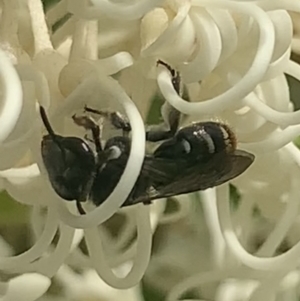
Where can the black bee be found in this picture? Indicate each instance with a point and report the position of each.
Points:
(190, 159)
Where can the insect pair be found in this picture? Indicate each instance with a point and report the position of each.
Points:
(196, 157)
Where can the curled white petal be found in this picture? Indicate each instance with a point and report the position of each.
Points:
(40, 246)
(184, 204)
(246, 84)
(39, 27)
(170, 33)
(209, 202)
(28, 73)
(209, 50)
(286, 260)
(27, 287)
(20, 175)
(56, 12)
(275, 141)
(278, 4)
(140, 262)
(13, 99)
(227, 29)
(49, 264)
(84, 40)
(22, 184)
(284, 223)
(120, 11)
(115, 63)
(128, 12)
(118, 251)
(194, 281)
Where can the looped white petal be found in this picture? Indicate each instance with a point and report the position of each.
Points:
(29, 73)
(49, 265)
(74, 73)
(116, 11)
(277, 67)
(209, 50)
(56, 12)
(22, 184)
(227, 30)
(284, 223)
(40, 246)
(115, 63)
(184, 204)
(16, 145)
(194, 282)
(275, 141)
(283, 27)
(252, 77)
(280, 118)
(39, 27)
(286, 260)
(12, 97)
(20, 175)
(84, 40)
(142, 252)
(265, 291)
(27, 287)
(61, 38)
(124, 11)
(209, 201)
(283, 34)
(118, 251)
(169, 35)
(269, 5)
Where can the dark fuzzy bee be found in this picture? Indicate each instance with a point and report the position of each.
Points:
(196, 157)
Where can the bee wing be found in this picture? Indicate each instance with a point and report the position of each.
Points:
(220, 170)
(160, 170)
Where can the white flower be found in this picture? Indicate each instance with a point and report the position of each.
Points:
(89, 286)
(27, 287)
(232, 57)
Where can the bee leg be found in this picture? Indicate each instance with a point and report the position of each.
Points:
(176, 78)
(172, 120)
(80, 208)
(155, 136)
(88, 139)
(118, 120)
(170, 115)
(89, 124)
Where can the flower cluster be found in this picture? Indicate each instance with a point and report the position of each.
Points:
(220, 244)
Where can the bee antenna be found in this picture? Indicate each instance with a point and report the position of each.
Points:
(46, 121)
(51, 132)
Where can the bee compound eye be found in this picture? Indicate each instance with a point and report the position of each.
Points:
(70, 164)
